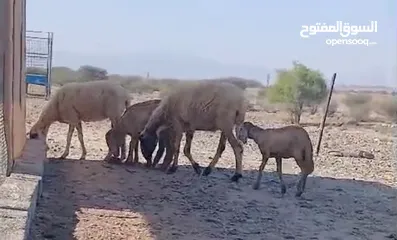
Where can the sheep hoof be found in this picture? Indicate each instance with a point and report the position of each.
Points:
(256, 186)
(207, 171)
(236, 177)
(197, 168)
(82, 158)
(283, 189)
(298, 194)
(172, 169)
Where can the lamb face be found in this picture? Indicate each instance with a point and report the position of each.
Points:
(242, 134)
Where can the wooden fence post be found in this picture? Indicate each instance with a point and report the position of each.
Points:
(325, 114)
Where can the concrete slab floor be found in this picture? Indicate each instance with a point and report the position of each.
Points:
(20, 192)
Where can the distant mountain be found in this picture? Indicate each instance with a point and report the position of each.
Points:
(186, 67)
(360, 88)
(162, 65)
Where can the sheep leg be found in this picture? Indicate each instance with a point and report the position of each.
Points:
(130, 152)
(136, 157)
(257, 183)
(123, 147)
(305, 171)
(188, 154)
(218, 154)
(238, 154)
(68, 140)
(123, 150)
(79, 128)
(280, 175)
(159, 153)
(177, 145)
(300, 187)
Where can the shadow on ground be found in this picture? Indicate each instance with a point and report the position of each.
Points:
(94, 200)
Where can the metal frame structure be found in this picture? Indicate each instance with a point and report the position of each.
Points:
(39, 57)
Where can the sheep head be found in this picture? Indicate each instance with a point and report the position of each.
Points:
(148, 144)
(242, 131)
(37, 131)
(112, 143)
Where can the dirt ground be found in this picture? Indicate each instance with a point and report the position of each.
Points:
(345, 198)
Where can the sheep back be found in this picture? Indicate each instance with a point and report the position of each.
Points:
(136, 116)
(91, 101)
(88, 101)
(207, 106)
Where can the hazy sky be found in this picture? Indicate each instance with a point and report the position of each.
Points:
(250, 33)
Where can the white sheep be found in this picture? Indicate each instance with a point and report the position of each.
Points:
(203, 106)
(77, 102)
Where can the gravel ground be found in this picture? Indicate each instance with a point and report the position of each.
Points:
(345, 198)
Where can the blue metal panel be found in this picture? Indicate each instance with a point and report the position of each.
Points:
(37, 79)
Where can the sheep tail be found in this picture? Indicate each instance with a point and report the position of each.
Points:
(308, 159)
(240, 113)
(240, 117)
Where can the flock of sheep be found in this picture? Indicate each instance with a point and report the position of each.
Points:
(199, 106)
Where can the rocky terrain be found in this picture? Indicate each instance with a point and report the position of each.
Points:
(345, 198)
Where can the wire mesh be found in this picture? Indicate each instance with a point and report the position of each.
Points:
(37, 50)
(39, 59)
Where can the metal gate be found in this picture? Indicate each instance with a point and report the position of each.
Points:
(39, 59)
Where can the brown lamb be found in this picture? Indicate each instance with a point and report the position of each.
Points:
(284, 142)
(132, 123)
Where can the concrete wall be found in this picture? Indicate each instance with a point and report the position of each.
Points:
(12, 70)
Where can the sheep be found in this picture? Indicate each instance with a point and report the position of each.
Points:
(284, 142)
(205, 106)
(165, 142)
(132, 123)
(77, 102)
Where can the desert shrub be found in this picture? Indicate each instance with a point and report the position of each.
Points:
(358, 105)
(136, 84)
(388, 108)
(63, 75)
(240, 82)
(262, 93)
(91, 73)
(298, 87)
(313, 109)
(332, 108)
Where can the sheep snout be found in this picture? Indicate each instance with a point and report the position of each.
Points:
(33, 135)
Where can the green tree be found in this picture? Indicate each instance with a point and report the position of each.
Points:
(297, 87)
